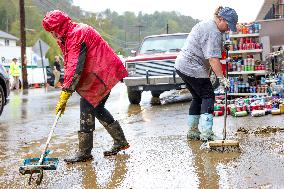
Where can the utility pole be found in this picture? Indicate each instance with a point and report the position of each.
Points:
(7, 23)
(23, 44)
(125, 46)
(167, 27)
(139, 31)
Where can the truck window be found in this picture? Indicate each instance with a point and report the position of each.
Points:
(167, 43)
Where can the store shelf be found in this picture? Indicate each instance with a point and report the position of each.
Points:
(244, 35)
(246, 51)
(261, 72)
(246, 94)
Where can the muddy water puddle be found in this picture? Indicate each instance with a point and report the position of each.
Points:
(159, 157)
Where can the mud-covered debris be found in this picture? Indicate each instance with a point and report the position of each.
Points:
(260, 130)
(266, 130)
(183, 91)
(243, 130)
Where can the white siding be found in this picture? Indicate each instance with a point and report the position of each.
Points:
(12, 43)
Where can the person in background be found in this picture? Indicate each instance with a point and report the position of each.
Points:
(92, 69)
(200, 53)
(15, 73)
(56, 71)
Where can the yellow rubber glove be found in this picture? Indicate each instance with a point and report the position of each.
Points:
(64, 96)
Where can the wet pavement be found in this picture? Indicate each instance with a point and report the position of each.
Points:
(159, 156)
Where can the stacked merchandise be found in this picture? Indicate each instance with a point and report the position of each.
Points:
(272, 84)
(246, 70)
(275, 62)
(259, 84)
(245, 43)
(275, 68)
(238, 63)
(248, 28)
(249, 84)
(254, 106)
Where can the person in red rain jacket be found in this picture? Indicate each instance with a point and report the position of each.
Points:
(92, 69)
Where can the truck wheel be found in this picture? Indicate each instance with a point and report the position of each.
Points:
(134, 97)
(214, 80)
(156, 93)
(2, 99)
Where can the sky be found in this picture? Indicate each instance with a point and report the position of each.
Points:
(197, 9)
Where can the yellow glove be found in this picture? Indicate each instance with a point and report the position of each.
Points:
(64, 96)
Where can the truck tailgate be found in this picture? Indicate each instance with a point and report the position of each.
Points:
(152, 80)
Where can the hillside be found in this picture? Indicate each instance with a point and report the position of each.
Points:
(123, 32)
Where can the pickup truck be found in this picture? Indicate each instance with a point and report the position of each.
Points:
(152, 67)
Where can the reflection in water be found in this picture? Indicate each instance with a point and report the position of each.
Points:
(155, 101)
(207, 165)
(134, 109)
(18, 103)
(89, 176)
(24, 108)
(25, 92)
(3, 146)
(119, 172)
(15, 103)
(90, 173)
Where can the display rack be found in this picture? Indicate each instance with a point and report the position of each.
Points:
(252, 51)
(244, 52)
(260, 72)
(247, 94)
(244, 35)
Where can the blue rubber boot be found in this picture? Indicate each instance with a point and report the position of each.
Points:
(193, 132)
(206, 122)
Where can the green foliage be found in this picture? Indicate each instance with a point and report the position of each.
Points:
(123, 32)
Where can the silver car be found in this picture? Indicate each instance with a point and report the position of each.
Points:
(4, 87)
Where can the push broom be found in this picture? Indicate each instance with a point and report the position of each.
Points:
(37, 165)
(223, 145)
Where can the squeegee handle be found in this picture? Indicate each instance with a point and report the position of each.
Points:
(49, 138)
(226, 97)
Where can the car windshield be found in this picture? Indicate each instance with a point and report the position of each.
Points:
(167, 43)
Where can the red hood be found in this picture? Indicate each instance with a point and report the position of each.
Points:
(56, 21)
(156, 56)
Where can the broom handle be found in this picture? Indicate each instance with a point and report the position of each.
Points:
(225, 116)
(49, 138)
(226, 100)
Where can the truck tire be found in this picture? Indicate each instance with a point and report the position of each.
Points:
(134, 97)
(156, 93)
(214, 80)
(2, 99)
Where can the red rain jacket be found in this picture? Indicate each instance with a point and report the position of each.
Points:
(91, 67)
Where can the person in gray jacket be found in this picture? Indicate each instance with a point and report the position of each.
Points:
(200, 53)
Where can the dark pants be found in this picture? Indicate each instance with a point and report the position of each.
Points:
(202, 92)
(88, 113)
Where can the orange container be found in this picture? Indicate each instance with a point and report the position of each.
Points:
(281, 107)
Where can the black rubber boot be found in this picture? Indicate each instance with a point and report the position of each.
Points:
(85, 148)
(119, 141)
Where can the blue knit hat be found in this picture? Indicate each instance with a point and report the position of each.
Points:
(230, 16)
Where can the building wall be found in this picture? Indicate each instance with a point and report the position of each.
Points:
(274, 29)
(12, 43)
